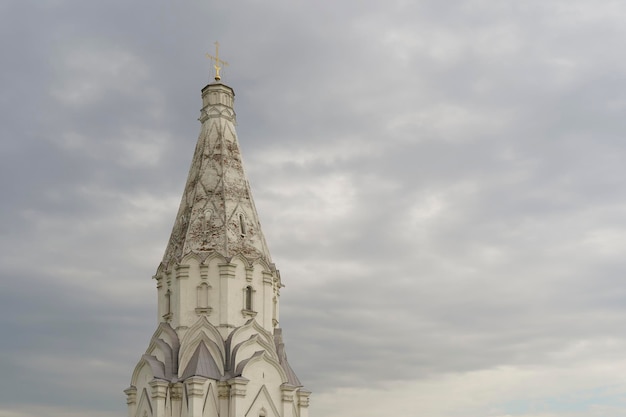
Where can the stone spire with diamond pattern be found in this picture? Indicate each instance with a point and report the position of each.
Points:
(218, 349)
(217, 213)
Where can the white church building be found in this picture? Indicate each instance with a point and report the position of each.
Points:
(217, 349)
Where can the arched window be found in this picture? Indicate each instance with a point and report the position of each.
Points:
(248, 301)
(203, 295)
(202, 299)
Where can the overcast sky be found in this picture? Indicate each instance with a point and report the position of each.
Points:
(441, 183)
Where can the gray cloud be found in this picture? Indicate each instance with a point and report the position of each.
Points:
(440, 185)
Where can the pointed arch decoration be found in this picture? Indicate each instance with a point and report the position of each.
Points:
(203, 325)
(243, 258)
(144, 407)
(188, 257)
(202, 331)
(254, 340)
(262, 398)
(215, 256)
(165, 350)
(265, 266)
(261, 356)
(210, 407)
(165, 340)
(150, 363)
(243, 333)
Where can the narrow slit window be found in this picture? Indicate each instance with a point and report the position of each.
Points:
(242, 225)
(168, 304)
(274, 305)
(249, 298)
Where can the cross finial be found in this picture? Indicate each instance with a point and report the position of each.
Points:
(218, 61)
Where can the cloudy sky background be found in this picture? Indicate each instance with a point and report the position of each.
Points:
(442, 185)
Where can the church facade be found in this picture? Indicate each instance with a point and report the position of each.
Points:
(218, 349)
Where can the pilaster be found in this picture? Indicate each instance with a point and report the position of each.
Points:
(287, 391)
(204, 272)
(195, 395)
(131, 400)
(238, 387)
(268, 292)
(182, 271)
(227, 273)
(223, 395)
(176, 395)
(159, 393)
(173, 302)
(303, 402)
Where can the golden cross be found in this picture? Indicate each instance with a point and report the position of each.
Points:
(218, 61)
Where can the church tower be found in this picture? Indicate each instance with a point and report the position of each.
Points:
(218, 349)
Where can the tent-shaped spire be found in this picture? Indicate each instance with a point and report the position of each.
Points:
(217, 213)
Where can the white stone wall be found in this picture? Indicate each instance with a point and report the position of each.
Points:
(217, 289)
